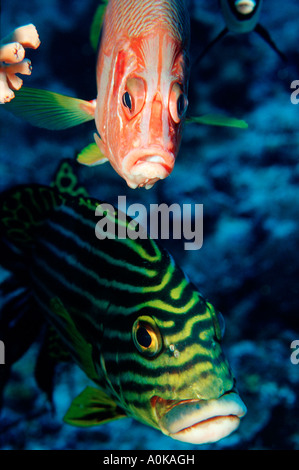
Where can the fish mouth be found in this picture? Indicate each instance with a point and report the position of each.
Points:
(143, 168)
(245, 7)
(199, 421)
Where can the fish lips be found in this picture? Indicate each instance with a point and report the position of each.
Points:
(143, 168)
(200, 421)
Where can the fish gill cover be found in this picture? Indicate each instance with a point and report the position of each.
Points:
(247, 181)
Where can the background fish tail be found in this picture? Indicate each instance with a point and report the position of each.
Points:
(23, 210)
(19, 323)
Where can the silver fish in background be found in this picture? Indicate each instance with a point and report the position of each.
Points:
(242, 16)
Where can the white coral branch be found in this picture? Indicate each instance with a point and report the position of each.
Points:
(12, 53)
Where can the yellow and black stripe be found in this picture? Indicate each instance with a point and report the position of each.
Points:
(124, 309)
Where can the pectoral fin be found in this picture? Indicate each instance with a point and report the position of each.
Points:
(266, 36)
(218, 120)
(91, 155)
(50, 110)
(82, 349)
(92, 408)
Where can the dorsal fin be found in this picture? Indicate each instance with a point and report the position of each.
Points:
(96, 25)
(66, 180)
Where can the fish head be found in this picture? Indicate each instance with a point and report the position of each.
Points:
(174, 375)
(141, 124)
(241, 16)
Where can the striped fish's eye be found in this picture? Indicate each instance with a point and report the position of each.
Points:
(178, 102)
(146, 336)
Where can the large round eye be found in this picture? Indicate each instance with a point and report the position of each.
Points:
(133, 97)
(218, 320)
(146, 336)
(178, 102)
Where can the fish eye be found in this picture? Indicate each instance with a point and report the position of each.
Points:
(133, 98)
(178, 102)
(218, 321)
(146, 336)
(127, 101)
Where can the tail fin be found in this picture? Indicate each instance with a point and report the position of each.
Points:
(20, 323)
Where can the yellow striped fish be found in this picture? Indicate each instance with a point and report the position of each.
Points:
(125, 312)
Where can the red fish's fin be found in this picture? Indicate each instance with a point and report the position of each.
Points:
(96, 25)
(218, 120)
(91, 155)
(50, 110)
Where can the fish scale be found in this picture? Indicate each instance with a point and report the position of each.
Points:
(138, 18)
(125, 312)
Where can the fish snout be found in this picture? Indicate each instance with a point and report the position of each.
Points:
(143, 168)
(245, 7)
(199, 421)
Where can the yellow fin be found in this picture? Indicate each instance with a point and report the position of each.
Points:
(96, 25)
(218, 120)
(92, 408)
(91, 155)
(50, 110)
(70, 333)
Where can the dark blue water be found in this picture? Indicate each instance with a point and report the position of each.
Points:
(247, 181)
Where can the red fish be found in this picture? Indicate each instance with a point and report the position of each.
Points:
(142, 81)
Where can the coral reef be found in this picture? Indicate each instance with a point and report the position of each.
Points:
(13, 61)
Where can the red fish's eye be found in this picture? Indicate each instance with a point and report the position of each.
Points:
(127, 100)
(178, 102)
(133, 98)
